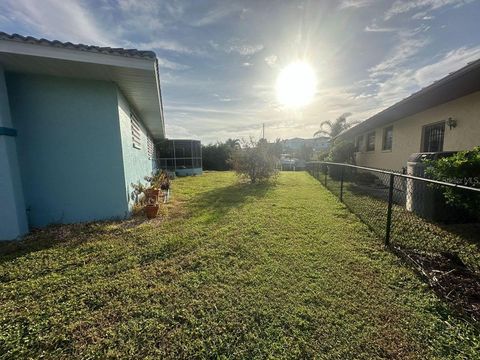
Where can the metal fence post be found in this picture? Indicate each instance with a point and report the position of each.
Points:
(389, 210)
(341, 183)
(326, 172)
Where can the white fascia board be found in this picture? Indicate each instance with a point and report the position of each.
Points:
(160, 100)
(47, 51)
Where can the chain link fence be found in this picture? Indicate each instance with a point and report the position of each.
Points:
(410, 213)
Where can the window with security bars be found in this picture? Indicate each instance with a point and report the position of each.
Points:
(150, 148)
(136, 132)
(359, 143)
(387, 138)
(371, 141)
(433, 136)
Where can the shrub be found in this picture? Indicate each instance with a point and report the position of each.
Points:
(255, 161)
(342, 152)
(463, 168)
(364, 178)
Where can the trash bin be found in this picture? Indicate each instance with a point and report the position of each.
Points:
(422, 198)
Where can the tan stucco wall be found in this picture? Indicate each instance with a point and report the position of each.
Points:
(407, 133)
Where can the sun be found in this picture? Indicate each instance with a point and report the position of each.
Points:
(296, 85)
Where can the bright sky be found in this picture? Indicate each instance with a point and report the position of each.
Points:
(219, 60)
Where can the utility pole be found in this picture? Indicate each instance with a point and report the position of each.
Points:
(263, 130)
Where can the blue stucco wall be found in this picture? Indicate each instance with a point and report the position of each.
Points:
(69, 148)
(136, 161)
(13, 216)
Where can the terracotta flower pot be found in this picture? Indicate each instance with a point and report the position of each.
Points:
(151, 211)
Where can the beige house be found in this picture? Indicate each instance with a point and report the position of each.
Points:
(444, 116)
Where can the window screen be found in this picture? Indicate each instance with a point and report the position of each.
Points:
(359, 143)
(387, 138)
(371, 141)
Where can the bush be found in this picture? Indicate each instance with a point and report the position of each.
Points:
(364, 178)
(463, 168)
(342, 152)
(255, 161)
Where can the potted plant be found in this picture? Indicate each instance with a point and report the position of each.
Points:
(151, 210)
(164, 181)
(151, 193)
(151, 202)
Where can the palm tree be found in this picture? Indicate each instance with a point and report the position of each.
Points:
(233, 143)
(334, 128)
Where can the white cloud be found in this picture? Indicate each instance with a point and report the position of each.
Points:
(271, 60)
(242, 47)
(376, 28)
(167, 64)
(218, 13)
(422, 15)
(452, 61)
(247, 64)
(207, 110)
(169, 45)
(345, 4)
(408, 45)
(403, 6)
(56, 19)
(222, 98)
(179, 132)
(368, 97)
(214, 44)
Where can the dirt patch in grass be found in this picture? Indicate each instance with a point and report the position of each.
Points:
(450, 279)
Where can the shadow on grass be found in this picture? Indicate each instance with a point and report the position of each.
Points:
(216, 203)
(468, 231)
(67, 235)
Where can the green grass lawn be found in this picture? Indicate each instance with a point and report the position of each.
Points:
(408, 230)
(233, 271)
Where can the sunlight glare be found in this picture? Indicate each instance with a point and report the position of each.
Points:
(296, 85)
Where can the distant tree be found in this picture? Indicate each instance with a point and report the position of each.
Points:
(233, 143)
(277, 148)
(304, 153)
(216, 156)
(331, 129)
